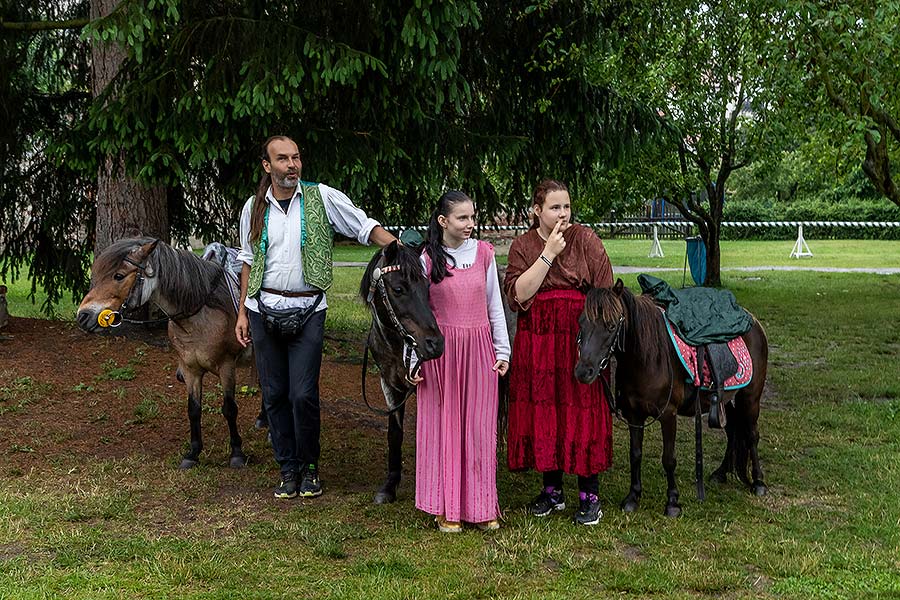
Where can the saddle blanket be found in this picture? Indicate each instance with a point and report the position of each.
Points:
(687, 354)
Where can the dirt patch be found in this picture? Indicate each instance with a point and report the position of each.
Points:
(67, 397)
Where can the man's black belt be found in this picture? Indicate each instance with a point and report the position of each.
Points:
(288, 294)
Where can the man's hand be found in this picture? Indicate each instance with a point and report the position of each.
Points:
(501, 367)
(381, 236)
(242, 329)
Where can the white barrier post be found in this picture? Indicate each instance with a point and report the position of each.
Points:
(656, 249)
(800, 248)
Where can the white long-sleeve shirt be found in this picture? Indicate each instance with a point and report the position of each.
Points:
(284, 264)
(465, 257)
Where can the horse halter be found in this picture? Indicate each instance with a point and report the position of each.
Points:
(114, 318)
(617, 345)
(377, 284)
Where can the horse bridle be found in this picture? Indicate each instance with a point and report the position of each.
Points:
(114, 318)
(618, 344)
(410, 345)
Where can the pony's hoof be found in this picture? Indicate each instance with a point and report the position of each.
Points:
(759, 488)
(385, 497)
(629, 506)
(672, 510)
(188, 463)
(261, 424)
(238, 461)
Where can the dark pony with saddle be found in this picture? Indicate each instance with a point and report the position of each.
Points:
(404, 334)
(199, 300)
(650, 381)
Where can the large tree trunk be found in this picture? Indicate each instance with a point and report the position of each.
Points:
(124, 207)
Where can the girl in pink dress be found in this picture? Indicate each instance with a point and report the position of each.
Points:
(456, 434)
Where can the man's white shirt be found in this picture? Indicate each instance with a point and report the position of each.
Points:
(284, 264)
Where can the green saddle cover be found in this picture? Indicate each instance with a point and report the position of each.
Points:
(701, 315)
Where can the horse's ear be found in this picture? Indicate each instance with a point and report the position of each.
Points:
(146, 250)
(618, 287)
(390, 251)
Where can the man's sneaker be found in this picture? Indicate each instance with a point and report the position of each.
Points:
(287, 489)
(589, 512)
(547, 501)
(309, 483)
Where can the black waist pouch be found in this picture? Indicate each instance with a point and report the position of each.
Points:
(287, 322)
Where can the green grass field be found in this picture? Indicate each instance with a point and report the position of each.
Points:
(830, 527)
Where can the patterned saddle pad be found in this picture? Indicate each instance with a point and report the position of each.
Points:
(688, 356)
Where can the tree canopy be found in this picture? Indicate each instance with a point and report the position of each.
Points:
(709, 72)
(45, 201)
(851, 51)
(390, 101)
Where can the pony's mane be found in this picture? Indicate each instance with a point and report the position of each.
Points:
(182, 277)
(407, 258)
(643, 327)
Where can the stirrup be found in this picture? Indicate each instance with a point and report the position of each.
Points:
(716, 418)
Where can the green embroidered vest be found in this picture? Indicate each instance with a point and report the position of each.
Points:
(316, 238)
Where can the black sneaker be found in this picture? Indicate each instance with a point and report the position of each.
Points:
(287, 489)
(309, 483)
(546, 502)
(589, 512)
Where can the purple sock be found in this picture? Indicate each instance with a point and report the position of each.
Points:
(585, 496)
(552, 491)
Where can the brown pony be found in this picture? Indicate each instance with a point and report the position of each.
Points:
(650, 383)
(199, 303)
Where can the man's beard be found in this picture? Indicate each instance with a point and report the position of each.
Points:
(284, 182)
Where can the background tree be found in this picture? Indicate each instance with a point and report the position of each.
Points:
(390, 101)
(125, 206)
(852, 51)
(45, 202)
(709, 71)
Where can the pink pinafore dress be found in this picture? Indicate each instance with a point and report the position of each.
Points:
(456, 426)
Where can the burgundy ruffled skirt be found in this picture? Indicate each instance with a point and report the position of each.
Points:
(555, 422)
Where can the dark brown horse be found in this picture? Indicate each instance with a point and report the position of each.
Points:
(404, 334)
(650, 380)
(199, 303)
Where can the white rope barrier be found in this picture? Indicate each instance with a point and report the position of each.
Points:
(860, 224)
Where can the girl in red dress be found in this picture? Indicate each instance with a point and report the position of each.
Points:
(556, 424)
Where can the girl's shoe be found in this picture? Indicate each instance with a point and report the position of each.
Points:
(446, 526)
(492, 525)
(547, 501)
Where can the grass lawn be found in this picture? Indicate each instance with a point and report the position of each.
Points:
(738, 253)
(830, 527)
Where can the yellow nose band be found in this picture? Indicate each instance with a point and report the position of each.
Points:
(109, 318)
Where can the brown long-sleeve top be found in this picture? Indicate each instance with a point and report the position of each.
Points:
(582, 265)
